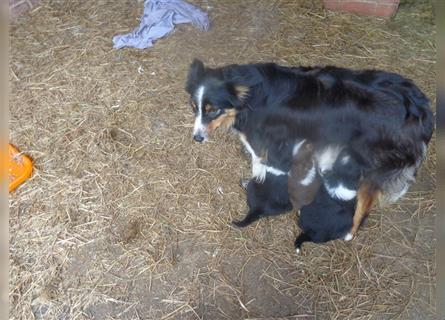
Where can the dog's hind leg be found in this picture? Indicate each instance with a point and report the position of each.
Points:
(367, 196)
(303, 237)
(251, 217)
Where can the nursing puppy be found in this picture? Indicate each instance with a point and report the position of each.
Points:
(267, 198)
(304, 180)
(290, 183)
(330, 215)
(267, 191)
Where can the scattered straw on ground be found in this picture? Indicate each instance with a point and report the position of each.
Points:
(127, 218)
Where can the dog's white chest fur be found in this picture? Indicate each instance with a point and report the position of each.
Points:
(259, 169)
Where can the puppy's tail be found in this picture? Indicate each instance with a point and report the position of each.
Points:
(251, 217)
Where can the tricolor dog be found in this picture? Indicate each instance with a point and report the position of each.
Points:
(383, 118)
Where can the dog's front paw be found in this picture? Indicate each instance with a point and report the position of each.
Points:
(348, 237)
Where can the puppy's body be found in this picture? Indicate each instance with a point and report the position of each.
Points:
(267, 191)
(280, 188)
(266, 198)
(304, 180)
(330, 215)
(325, 219)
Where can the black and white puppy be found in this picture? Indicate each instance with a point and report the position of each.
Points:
(330, 215)
(279, 163)
(267, 191)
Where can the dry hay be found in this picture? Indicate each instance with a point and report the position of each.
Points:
(127, 218)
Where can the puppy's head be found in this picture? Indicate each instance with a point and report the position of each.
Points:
(215, 100)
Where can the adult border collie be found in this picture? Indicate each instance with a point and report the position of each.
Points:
(381, 116)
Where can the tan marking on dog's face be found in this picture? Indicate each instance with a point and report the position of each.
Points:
(225, 120)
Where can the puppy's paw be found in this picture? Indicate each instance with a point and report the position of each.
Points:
(348, 237)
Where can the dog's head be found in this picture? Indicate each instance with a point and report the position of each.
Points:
(215, 100)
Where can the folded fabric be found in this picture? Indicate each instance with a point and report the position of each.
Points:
(158, 20)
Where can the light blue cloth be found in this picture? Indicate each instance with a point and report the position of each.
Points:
(158, 20)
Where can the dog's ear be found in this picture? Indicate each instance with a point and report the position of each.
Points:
(196, 71)
(236, 94)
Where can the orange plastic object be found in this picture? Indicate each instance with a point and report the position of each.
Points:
(20, 168)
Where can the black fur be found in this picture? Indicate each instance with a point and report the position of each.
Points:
(266, 198)
(328, 218)
(325, 219)
(383, 118)
(387, 100)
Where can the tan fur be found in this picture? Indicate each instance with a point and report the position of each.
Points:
(241, 92)
(367, 196)
(226, 120)
(302, 162)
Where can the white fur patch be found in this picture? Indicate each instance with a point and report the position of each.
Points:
(341, 192)
(345, 160)
(275, 171)
(259, 169)
(247, 145)
(297, 147)
(326, 157)
(310, 176)
(199, 128)
(298, 251)
(398, 184)
(348, 237)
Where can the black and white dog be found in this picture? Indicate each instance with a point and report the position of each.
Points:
(330, 215)
(383, 117)
(288, 174)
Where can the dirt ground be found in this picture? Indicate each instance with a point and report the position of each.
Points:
(127, 218)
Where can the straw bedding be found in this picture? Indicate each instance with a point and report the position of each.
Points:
(127, 218)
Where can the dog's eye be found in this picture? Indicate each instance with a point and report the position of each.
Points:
(214, 113)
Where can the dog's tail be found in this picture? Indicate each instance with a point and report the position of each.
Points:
(401, 155)
(394, 180)
(393, 184)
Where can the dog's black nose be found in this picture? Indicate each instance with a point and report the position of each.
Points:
(198, 138)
